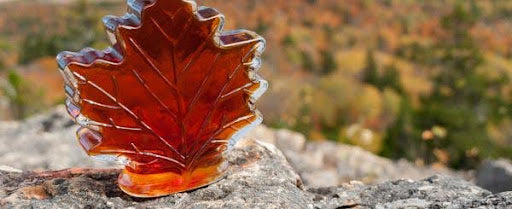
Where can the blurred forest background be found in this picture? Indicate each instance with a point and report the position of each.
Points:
(425, 80)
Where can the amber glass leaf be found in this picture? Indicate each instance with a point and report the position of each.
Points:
(170, 96)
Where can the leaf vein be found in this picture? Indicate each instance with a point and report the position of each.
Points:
(143, 83)
(147, 59)
(132, 114)
(143, 153)
(203, 84)
(210, 112)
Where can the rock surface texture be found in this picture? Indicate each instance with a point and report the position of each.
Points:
(303, 175)
(495, 176)
(259, 176)
(47, 142)
(325, 163)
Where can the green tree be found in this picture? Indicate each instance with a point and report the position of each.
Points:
(308, 64)
(83, 29)
(23, 98)
(391, 78)
(462, 102)
(401, 138)
(36, 45)
(328, 63)
(370, 72)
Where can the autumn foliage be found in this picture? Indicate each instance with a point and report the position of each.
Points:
(318, 58)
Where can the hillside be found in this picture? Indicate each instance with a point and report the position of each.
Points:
(367, 73)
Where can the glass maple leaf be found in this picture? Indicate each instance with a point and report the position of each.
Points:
(169, 97)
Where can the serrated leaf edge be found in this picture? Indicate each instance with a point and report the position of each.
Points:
(89, 56)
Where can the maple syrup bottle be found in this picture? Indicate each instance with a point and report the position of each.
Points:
(169, 98)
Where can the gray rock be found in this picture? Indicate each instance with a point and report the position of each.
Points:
(44, 142)
(290, 140)
(351, 163)
(434, 192)
(327, 163)
(259, 177)
(262, 133)
(47, 142)
(495, 176)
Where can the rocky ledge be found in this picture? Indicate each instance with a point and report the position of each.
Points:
(302, 175)
(259, 177)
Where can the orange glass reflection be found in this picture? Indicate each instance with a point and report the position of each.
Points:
(170, 96)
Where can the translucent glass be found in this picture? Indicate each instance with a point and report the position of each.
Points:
(169, 98)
